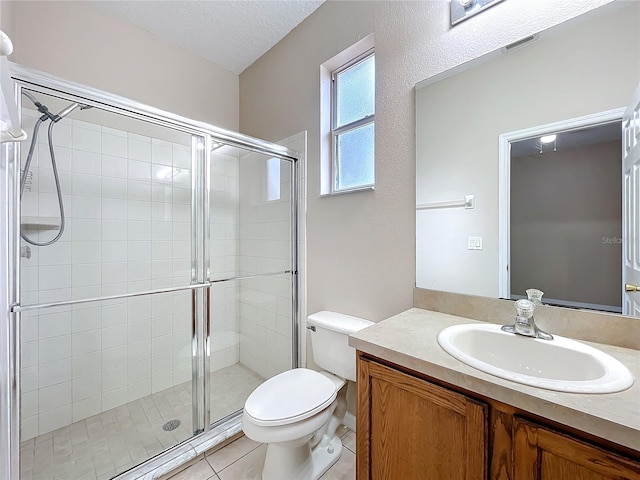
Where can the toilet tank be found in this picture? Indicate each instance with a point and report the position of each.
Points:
(330, 342)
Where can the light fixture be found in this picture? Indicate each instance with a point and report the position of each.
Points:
(463, 9)
(546, 139)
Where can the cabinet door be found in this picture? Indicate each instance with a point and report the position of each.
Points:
(543, 454)
(410, 429)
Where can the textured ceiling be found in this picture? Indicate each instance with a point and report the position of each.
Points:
(230, 33)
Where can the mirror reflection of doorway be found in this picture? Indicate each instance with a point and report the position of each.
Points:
(566, 217)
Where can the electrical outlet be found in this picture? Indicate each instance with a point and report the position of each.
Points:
(474, 243)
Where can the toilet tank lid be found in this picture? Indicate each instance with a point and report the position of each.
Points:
(338, 322)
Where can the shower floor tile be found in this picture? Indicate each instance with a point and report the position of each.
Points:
(109, 443)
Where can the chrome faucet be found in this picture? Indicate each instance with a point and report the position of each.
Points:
(525, 324)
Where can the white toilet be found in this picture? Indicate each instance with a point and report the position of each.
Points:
(296, 413)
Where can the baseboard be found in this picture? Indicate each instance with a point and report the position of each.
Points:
(349, 421)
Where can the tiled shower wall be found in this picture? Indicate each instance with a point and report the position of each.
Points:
(265, 229)
(223, 227)
(127, 202)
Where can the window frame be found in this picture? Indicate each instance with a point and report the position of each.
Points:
(335, 132)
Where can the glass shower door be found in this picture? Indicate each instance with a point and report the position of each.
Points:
(251, 263)
(111, 313)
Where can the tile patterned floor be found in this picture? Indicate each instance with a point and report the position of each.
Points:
(110, 443)
(244, 458)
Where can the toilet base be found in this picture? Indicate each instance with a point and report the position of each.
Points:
(300, 463)
(322, 460)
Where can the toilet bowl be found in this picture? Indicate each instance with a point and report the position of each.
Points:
(297, 412)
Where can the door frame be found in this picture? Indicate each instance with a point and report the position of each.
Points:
(631, 250)
(504, 179)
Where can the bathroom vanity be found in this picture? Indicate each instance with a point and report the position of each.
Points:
(422, 414)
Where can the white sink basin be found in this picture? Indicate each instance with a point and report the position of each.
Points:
(560, 364)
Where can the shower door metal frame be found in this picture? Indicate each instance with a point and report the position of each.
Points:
(201, 282)
(10, 325)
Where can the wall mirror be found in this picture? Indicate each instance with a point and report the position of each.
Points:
(574, 76)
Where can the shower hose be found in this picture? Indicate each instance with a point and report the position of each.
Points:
(34, 140)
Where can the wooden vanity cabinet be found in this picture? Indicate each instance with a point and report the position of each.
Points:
(544, 454)
(410, 428)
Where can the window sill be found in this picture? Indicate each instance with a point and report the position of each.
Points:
(351, 190)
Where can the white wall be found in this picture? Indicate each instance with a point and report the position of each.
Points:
(361, 246)
(581, 70)
(77, 41)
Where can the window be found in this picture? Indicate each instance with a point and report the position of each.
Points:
(352, 124)
(348, 159)
(273, 179)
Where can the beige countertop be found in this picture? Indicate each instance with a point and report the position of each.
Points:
(409, 339)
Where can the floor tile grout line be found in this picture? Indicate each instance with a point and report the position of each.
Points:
(217, 476)
(236, 460)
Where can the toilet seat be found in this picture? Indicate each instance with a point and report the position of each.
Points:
(290, 397)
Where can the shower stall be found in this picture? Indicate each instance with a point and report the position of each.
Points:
(150, 279)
